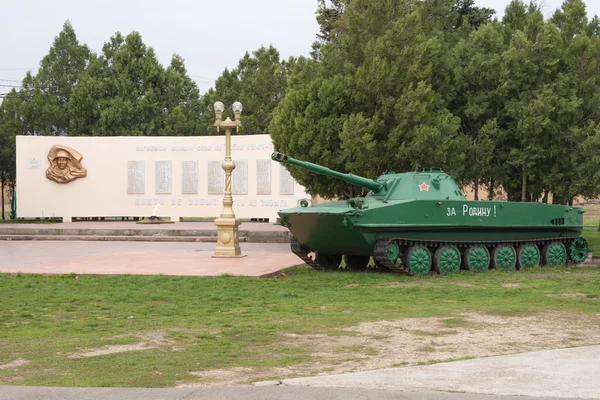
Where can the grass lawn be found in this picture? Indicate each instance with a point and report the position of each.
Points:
(592, 235)
(47, 324)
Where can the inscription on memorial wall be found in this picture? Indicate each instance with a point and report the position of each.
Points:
(189, 177)
(239, 177)
(286, 182)
(216, 178)
(263, 176)
(136, 177)
(162, 177)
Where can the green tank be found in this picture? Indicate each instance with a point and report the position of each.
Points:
(418, 222)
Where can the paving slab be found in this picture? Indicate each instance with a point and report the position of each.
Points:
(564, 373)
(141, 258)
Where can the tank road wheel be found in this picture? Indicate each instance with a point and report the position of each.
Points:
(554, 254)
(528, 256)
(356, 263)
(392, 251)
(578, 251)
(328, 261)
(504, 258)
(446, 260)
(477, 259)
(418, 260)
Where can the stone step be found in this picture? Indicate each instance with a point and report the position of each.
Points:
(178, 235)
(99, 238)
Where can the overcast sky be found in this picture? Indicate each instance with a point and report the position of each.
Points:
(209, 35)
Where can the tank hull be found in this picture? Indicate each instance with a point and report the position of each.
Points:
(339, 229)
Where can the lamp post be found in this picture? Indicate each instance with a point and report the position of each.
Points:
(227, 224)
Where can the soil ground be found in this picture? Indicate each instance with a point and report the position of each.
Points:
(418, 341)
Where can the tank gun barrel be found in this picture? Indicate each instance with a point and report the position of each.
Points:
(370, 184)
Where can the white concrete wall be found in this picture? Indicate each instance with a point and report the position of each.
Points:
(104, 191)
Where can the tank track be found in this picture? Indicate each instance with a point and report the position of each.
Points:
(382, 261)
(381, 258)
(458, 243)
(302, 252)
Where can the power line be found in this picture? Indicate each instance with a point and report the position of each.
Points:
(17, 69)
(202, 77)
(14, 86)
(10, 80)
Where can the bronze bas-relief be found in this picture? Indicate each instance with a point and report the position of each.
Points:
(65, 165)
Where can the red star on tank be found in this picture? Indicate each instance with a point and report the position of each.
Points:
(424, 187)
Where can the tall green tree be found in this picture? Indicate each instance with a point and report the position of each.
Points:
(374, 98)
(125, 91)
(329, 13)
(258, 82)
(51, 88)
(478, 58)
(11, 125)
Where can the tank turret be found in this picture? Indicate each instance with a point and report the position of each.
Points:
(367, 183)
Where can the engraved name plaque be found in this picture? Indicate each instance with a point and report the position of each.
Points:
(162, 177)
(286, 182)
(216, 178)
(263, 176)
(189, 177)
(239, 177)
(136, 177)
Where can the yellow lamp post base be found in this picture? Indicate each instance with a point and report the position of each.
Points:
(227, 238)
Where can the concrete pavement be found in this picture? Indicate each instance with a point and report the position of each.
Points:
(564, 373)
(246, 393)
(141, 258)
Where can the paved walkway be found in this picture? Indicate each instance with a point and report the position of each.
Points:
(565, 373)
(141, 258)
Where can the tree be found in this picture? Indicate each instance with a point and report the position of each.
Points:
(258, 82)
(474, 16)
(328, 14)
(181, 100)
(11, 125)
(476, 79)
(125, 91)
(373, 99)
(51, 88)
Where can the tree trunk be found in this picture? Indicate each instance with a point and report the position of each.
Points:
(2, 192)
(476, 192)
(545, 198)
(13, 205)
(524, 186)
(491, 190)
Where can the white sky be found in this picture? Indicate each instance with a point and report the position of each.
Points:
(209, 35)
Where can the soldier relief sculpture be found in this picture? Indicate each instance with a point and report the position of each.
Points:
(65, 165)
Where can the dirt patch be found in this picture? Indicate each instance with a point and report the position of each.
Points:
(148, 341)
(415, 341)
(511, 285)
(14, 364)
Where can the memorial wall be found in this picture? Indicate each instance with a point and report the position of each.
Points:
(149, 176)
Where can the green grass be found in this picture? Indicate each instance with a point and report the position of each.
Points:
(223, 322)
(592, 235)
